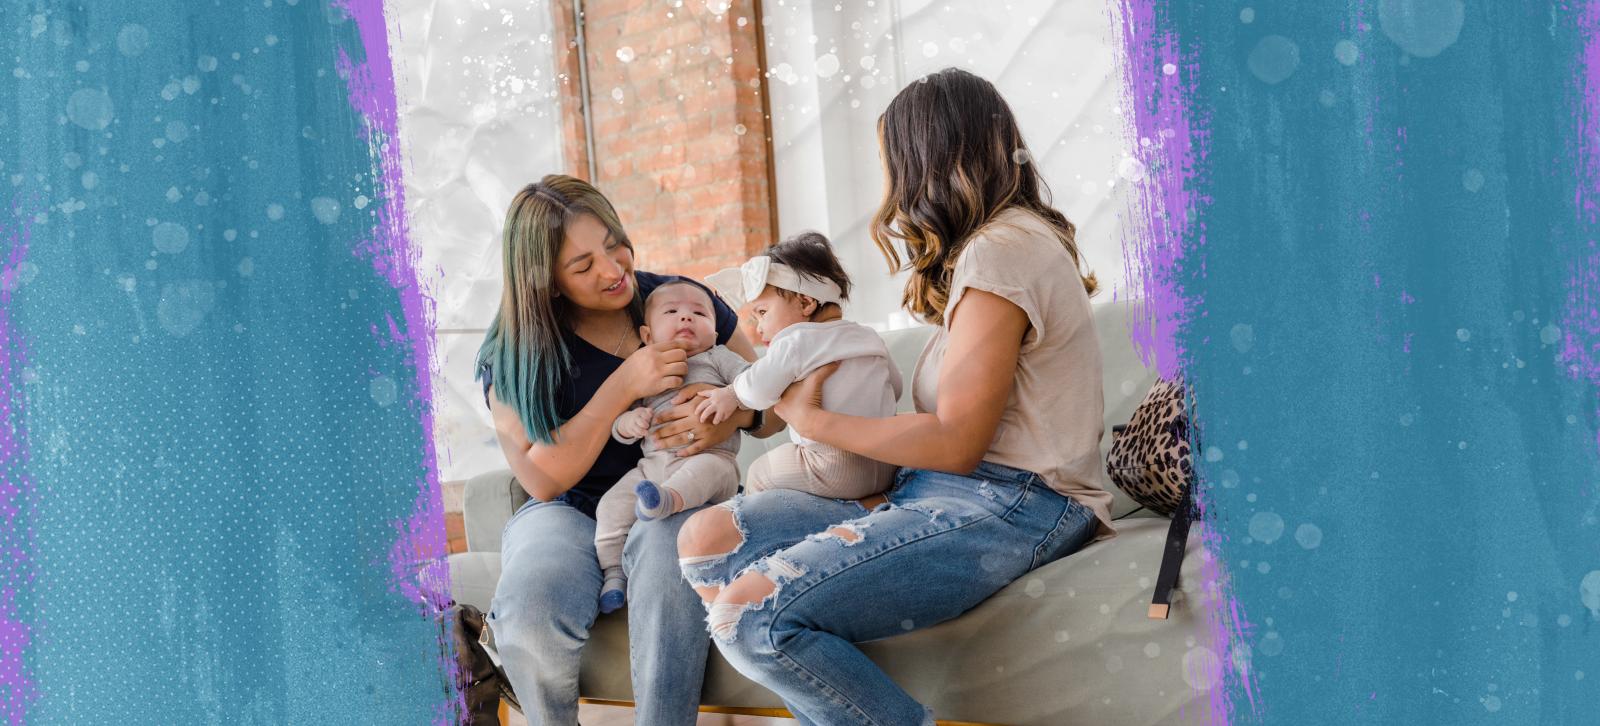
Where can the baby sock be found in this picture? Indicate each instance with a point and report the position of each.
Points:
(655, 501)
(613, 594)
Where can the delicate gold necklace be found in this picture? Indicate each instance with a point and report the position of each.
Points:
(617, 351)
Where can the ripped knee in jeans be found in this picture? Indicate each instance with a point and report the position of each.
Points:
(706, 541)
(753, 589)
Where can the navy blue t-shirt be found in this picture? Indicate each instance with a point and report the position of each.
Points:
(590, 368)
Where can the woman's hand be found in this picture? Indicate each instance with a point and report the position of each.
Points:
(802, 400)
(654, 368)
(680, 427)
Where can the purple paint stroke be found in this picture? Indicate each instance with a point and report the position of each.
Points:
(418, 560)
(1580, 320)
(1170, 141)
(17, 690)
(1167, 145)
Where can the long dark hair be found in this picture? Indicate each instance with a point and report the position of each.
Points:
(954, 158)
(524, 347)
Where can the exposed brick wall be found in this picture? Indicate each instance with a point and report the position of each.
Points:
(681, 137)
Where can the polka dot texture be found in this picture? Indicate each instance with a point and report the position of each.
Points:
(223, 417)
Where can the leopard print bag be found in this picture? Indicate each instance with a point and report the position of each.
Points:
(1149, 458)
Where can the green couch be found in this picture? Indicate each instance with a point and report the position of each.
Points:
(1070, 643)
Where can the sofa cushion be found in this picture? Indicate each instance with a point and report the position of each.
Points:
(473, 576)
(488, 501)
(1067, 643)
(1124, 379)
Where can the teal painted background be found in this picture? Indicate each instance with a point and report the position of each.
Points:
(223, 433)
(1383, 288)
(1399, 458)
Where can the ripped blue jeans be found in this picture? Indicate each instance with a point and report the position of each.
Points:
(942, 544)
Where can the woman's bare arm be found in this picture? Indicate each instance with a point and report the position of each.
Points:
(975, 381)
(741, 345)
(549, 470)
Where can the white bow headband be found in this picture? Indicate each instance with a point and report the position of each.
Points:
(739, 285)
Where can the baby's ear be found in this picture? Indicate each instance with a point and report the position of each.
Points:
(809, 305)
(644, 334)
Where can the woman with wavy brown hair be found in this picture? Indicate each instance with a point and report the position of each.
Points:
(999, 463)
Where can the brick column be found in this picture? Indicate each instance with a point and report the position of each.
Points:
(682, 141)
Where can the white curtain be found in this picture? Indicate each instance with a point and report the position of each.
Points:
(835, 64)
(479, 118)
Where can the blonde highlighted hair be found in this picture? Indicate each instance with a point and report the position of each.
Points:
(954, 159)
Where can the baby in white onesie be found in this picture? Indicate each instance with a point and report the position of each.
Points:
(794, 290)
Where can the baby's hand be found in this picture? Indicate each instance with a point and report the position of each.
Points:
(636, 423)
(719, 404)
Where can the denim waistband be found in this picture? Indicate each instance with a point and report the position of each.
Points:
(991, 470)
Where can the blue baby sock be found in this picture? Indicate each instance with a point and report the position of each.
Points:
(654, 502)
(613, 594)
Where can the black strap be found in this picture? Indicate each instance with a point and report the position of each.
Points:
(1172, 556)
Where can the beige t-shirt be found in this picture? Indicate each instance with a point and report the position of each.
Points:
(1052, 422)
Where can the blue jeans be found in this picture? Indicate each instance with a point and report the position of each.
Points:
(942, 544)
(549, 594)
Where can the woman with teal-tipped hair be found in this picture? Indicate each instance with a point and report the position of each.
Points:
(560, 362)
